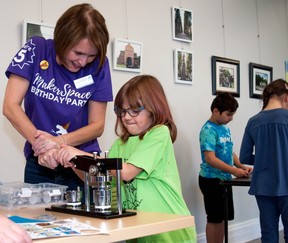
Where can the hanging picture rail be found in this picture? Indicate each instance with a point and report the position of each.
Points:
(182, 24)
(127, 55)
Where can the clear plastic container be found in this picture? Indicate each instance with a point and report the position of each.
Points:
(20, 194)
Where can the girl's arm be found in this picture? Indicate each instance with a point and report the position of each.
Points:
(128, 171)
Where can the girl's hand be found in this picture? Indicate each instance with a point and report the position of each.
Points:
(65, 154)
(47, 159)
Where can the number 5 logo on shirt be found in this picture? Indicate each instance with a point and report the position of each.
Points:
(25, 55)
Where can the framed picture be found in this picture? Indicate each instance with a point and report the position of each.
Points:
(182, 24)
(127, 55)
(36, 29)
(225, 76)
(259, 77)
(183, 66)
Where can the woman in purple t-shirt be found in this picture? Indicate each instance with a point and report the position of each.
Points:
(65, 84)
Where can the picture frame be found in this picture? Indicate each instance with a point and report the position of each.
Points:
(286, 69)
(182, 24)
(127, 55)
(259, 77)
(225, 76)
(32, 28)
(183, 66)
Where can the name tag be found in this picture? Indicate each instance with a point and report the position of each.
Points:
(83, 82)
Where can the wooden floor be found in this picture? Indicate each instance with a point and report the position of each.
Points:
(281, 238)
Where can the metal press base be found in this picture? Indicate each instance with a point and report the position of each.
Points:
(82, 211)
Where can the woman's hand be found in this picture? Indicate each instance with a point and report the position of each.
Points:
(44, 141)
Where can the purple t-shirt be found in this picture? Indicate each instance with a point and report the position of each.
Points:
(56, 100)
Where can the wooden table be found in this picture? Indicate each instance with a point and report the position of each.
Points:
(119, 229)
(233, 182)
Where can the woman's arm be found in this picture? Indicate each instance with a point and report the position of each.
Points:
(15, 91)
(14, 95)
(94, 129)
(247, 149)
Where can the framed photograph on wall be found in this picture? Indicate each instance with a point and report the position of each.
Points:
(31, 28)
(127, 55)
(225, 76)
(183, 66)
(286, 69)
(182, 24)
(259, 77)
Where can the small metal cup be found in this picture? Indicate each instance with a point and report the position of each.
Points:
(74, 196)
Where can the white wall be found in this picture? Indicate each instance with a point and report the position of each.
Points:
(149, 22)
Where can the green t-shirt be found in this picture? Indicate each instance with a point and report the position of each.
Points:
(157, 188)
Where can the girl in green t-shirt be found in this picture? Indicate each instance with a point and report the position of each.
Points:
(146, 133)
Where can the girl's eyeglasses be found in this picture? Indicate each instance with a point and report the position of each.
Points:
(132, 112)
